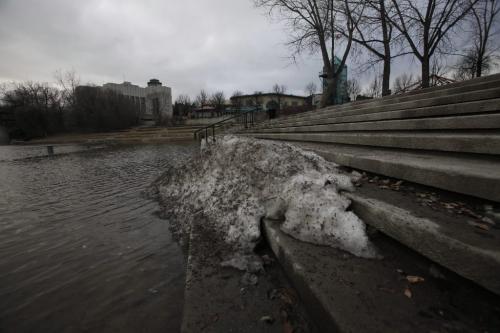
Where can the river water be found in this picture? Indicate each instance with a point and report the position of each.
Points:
(81, 248)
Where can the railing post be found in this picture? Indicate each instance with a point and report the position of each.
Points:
(213, 133)
(206, 134)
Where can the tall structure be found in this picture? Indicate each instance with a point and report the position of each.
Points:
(154, 102)
(340, 95)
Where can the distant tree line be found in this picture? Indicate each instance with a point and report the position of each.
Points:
(183, 105)
(37, 109)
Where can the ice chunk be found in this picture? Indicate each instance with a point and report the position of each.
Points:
(236, 181)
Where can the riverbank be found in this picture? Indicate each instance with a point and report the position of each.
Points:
(138, 135)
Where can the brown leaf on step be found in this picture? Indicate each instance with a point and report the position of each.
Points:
(384, 187)
(481, 226)
(408, 292)
(398, 183)
(414, 279)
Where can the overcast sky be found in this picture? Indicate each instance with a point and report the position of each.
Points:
(188, 44)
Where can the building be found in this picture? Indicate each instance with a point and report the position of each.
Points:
(268, 101)
(154, 102)
(340, 95)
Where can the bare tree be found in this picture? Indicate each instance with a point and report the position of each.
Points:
(279, 91)
(218, 101)
(182, 105)
(67, 82)
(353, 89)
(314, 25)
(36, 107)
(480, 57)
(374, 90)
(237, 93)
(311, 88)
(402, 83)
(202, 98)
(375, 33)
(426, 26)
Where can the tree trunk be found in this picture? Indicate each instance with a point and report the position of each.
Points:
(386, 77)
(479, 66)
(425, 72)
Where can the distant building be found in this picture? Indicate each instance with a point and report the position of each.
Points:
(154, 102)
(340, 95)
(268, 101)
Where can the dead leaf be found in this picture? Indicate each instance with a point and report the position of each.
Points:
(414, 279)
(408, 292)
(481, 226)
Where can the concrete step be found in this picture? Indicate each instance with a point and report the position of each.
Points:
(467, 142)
(475, 175)
(350, 294)
(489, 82)
(492, 81)
(493, 93)
(470, 108)
(443, 237)
(479, 121)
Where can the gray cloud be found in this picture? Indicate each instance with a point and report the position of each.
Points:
(189, 45)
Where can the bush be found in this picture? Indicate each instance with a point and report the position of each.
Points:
(98, 109)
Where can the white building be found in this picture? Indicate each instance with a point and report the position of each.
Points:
(154, 101)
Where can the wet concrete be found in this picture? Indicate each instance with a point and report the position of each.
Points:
(82, 249)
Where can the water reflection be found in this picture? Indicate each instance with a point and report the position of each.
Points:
(81, 248)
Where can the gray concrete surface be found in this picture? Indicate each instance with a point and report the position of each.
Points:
(485, 82)
(472, 175)
(470, 142)
(420, 119)
(350, 294)
(452, 245)
(383, 106)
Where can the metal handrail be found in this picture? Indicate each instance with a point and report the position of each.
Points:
(249, 121)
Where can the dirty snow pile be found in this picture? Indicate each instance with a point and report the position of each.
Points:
(236, 181)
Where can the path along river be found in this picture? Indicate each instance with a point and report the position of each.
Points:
(81, 249)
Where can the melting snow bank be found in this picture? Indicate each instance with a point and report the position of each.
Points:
(236, 181)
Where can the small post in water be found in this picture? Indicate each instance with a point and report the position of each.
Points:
(50, 150)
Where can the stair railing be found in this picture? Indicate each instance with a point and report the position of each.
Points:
(246, 119)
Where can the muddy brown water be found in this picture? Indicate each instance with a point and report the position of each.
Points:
(81, 249)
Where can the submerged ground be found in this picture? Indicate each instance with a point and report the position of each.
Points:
(81, 247)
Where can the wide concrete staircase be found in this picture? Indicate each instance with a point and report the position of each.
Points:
(446, 137)
(444, 144)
